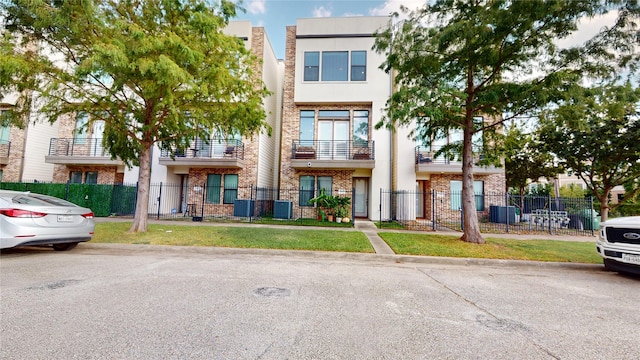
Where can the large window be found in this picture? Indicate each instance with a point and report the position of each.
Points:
(213, 188)
(311, 66)
(80, 132)
(307, 127)
(358, 65)
(456, 194)
(4, 134)
(308, 187)
(91, 177)
(79, 177)
(361, 128)
(335, 66)
(75, 177)
(230, 188)
(216, 182)
(4, 130)
(333, 134)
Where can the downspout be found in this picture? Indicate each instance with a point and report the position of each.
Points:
(391, 142)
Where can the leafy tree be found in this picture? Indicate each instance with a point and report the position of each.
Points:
(524, 161)
(16, 76)
(455, 60)
(595, 134)
(572, 191)
(156, 72)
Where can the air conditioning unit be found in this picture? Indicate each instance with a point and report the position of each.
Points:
(243, 208)
(282, 209)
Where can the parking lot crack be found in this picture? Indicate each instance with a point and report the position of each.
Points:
(490, 320)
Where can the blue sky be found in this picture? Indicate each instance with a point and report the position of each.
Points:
(275, 15)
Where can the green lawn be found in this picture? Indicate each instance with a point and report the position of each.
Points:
(427, 244)
(538, 250)
(239, 237)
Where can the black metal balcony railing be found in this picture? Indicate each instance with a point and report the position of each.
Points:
(427, 155)
(333, 150)
(5, 148)
(77, 147)
(215, 149)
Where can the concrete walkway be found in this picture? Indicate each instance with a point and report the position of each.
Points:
(370, 229)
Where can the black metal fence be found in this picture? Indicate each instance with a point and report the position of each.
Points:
(497, 213)
(194, 202)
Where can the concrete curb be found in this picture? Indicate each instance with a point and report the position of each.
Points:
(128, 249)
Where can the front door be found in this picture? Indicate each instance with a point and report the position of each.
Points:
(361, 197)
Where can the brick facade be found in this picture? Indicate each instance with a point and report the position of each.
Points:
(62, 173)
(12, 171)
(290, 177)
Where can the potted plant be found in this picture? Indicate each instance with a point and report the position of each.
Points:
(323, 202)
(332, 207)
(341, 213)
(342, 205)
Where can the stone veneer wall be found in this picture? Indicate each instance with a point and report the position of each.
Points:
(12, 171)
(106, 174)
(62, 173)
(494, 187)
(290, 121)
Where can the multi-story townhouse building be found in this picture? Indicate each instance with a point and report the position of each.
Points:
(227, 166)
(419, 166)
(334, 94)
(22, 150)
(223, 163)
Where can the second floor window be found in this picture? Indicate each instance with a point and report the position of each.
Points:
(311, 66)
(335, 66)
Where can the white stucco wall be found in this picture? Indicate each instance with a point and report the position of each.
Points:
(38, 135)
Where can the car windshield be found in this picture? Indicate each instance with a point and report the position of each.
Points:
(37, 199)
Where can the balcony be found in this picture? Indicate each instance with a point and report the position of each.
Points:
(427, 162)
(70, 151)
(218, 153)
(332, 154)
(5, 149)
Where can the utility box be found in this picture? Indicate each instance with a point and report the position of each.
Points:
(243, 208)
(282, 209)
(500, 214)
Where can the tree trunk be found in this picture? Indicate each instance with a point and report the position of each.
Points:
(144, 182)
(604, 205)
(471, 227)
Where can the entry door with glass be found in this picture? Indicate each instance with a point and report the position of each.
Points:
(360, 197)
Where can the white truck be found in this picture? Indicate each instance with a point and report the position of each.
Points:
(619, 244)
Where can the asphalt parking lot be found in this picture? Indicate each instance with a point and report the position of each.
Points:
(105, 301)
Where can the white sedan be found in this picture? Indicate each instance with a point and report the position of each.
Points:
(35, 219)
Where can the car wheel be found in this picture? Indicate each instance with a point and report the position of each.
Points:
(64, 246)
(607, 265)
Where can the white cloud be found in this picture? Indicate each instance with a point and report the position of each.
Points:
(321, 12)
(588, 28)
(256, 7)
(391, 6)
